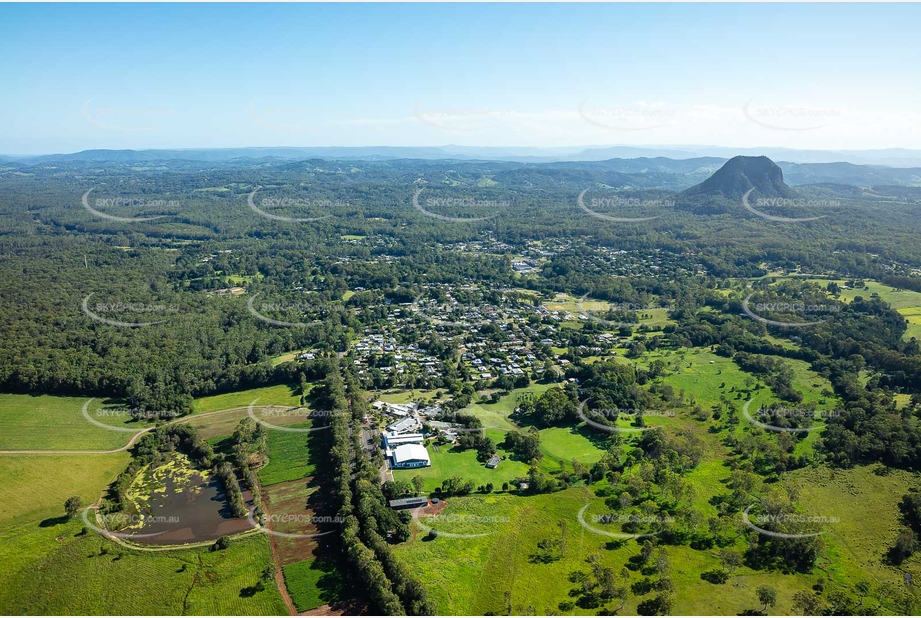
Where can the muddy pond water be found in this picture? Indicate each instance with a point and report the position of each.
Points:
(176, 504)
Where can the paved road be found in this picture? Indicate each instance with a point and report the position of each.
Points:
(372, 446)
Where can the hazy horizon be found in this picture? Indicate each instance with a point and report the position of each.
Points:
(805, 77)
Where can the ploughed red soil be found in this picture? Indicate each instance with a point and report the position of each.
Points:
(299, 508)
(433, 509)
(427, 511)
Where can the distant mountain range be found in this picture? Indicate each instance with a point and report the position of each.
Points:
(678, 168)
(892, 157)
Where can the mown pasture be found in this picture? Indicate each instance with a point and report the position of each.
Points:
(57, 570)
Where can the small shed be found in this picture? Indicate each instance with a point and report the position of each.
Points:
(409, 503)
(493, 462)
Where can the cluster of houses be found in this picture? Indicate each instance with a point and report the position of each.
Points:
(373, 348)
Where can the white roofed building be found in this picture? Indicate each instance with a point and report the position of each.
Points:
(408, 424)
(410, 456)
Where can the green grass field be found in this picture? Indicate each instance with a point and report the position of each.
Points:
(866, 506)
(405, 396)
(55, 570)
(35, 487)
(312, 583)
(280, 394)
(57, 423)
(289, 456)
(481, 575)
(655, 318)
(48, 422)
(447, 462)
(565, 444)
(496, 415)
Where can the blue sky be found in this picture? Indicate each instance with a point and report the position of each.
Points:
(205, 75)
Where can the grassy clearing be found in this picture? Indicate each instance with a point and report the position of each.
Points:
(866, 505)
(289, 456)
(280, 394)
(563, 444)
(55, 570)
(312, 583)
(496, 415)
(223, 423)
(288, 357)
(656, 318)
(700, 374)
(405, 396)
(47, 422)
(447, 461)
(487, 574)
(219, 425)
(35, 487)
